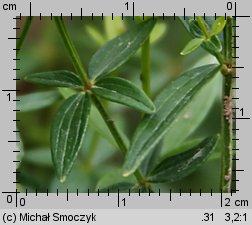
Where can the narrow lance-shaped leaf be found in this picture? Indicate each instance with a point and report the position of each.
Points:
(124, 92)
(192, 46)
(117, 51)
(176, 167)
(169, 103)
(37, 100)
(68, 130)
(61, 78)
(218, 25)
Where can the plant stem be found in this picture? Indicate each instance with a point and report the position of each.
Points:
(80, 69)
(115, 133)
(71, 49)
(227, 117)
(23, 34)
(145, 75)
(203, 26)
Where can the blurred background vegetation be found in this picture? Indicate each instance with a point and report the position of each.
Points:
(43, 50)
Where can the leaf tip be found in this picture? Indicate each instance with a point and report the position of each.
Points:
(62, 179)
(126, 173)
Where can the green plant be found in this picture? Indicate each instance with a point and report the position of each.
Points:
(143, 165)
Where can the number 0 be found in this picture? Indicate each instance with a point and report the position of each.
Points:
(229, 6)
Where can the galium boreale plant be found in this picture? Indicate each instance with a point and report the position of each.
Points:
(96, 83)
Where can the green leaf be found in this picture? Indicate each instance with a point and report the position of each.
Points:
(195, 29)
(218, 25)
(124, 92)
(176, 167)
(114, 181)
(37, 100)
(61, 78)
(192, 45)
(67, 133)
(117, 51)
(169, 103)
(191, 117)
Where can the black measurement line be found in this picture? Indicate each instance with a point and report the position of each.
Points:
(118, 199)
(139, 192)
(238, 67)
(235, 11)
(241, 118)
(235, 149)
(236, 170)
(184, 13)
(241, 16)
(11, 90)
(133, 10)
(221, 197)
(14, 141)
(81, 13)
(129, 191)
(13, 38)
(170, 195)
(67, 194)
(30, 10)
